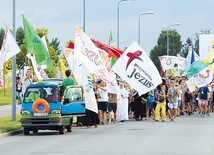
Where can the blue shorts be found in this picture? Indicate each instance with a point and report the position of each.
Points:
(149, 105)
(179, 103)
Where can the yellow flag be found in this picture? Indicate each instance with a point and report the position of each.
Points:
(62, 68)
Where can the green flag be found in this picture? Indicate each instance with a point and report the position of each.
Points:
(112, 43)
(35, 45)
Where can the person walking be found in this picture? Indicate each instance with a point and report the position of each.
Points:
(122, 113)
(19, 90)
(161, 104)
(203, 100)
(102, 101)
(113, 97)
(173, 93)
(150, 104)
(68, 81)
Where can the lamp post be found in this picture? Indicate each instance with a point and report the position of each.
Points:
(146, 13)
(14, 68)
(167, 36)
(118, 5)
(84, 15)
(195, 34)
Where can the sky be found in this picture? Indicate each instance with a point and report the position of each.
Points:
(101, 17)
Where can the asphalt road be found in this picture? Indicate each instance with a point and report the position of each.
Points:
(189, 135)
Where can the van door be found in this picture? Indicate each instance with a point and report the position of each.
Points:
(73, 103)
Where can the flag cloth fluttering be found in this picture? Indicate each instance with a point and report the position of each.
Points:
(35, 45)
(199, 65)
(8, 50)
(62, 68)
(112, 44)
(190, 58)
(136, 68)
(169, 62)
(201, 79)
(38, 70)
(200, 73)
(87, 61)
(86, 51)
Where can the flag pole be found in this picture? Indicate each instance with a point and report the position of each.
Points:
(14, 70)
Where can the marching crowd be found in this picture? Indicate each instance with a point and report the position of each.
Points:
(119, 102)
(171, 98)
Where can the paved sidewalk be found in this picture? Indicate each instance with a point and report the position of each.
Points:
(6, 110)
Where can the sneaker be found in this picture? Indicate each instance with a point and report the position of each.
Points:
(204, 115)
(200, 115)
(181, 113)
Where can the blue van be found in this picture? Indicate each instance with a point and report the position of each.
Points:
(44, 107)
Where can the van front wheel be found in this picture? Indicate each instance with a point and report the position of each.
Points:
(26, 131)
(62, 129)
(69, 128)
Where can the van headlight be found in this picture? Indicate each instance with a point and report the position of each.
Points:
(25, 112)
(56, 111)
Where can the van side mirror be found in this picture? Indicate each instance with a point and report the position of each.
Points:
(66, 101)
(61, 90)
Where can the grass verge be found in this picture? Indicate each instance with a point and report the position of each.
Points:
(6, 96)
(6, 125)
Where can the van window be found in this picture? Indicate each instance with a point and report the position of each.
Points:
(74, 94)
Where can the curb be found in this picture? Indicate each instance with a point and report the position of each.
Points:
(16, 132)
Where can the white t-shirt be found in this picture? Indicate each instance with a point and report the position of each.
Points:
(112, 86)
(179, 96)
(103, 95)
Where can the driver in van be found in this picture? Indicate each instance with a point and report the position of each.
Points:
(54, 95)
(42, 93)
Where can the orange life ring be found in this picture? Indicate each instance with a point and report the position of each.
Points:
(44, 103)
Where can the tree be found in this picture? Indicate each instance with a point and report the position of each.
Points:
(160, 49)
(55, 44)
(194, 43)
(20, 36)
(21, 57)
(184, 49)
(2, 31)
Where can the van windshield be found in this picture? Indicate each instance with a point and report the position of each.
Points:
(50, 94)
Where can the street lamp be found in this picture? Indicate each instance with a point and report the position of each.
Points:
(118, 5)
(14, 67)
(84, 15)
(195, 34)
(146, 13)
(167, 35)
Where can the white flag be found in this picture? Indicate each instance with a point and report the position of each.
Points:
(8, 50)
(169, 62)
(204, 44)
(38, 70)
(81, 73)
(201, 79)
(69, 56)
(136, 68)
(87, 52)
